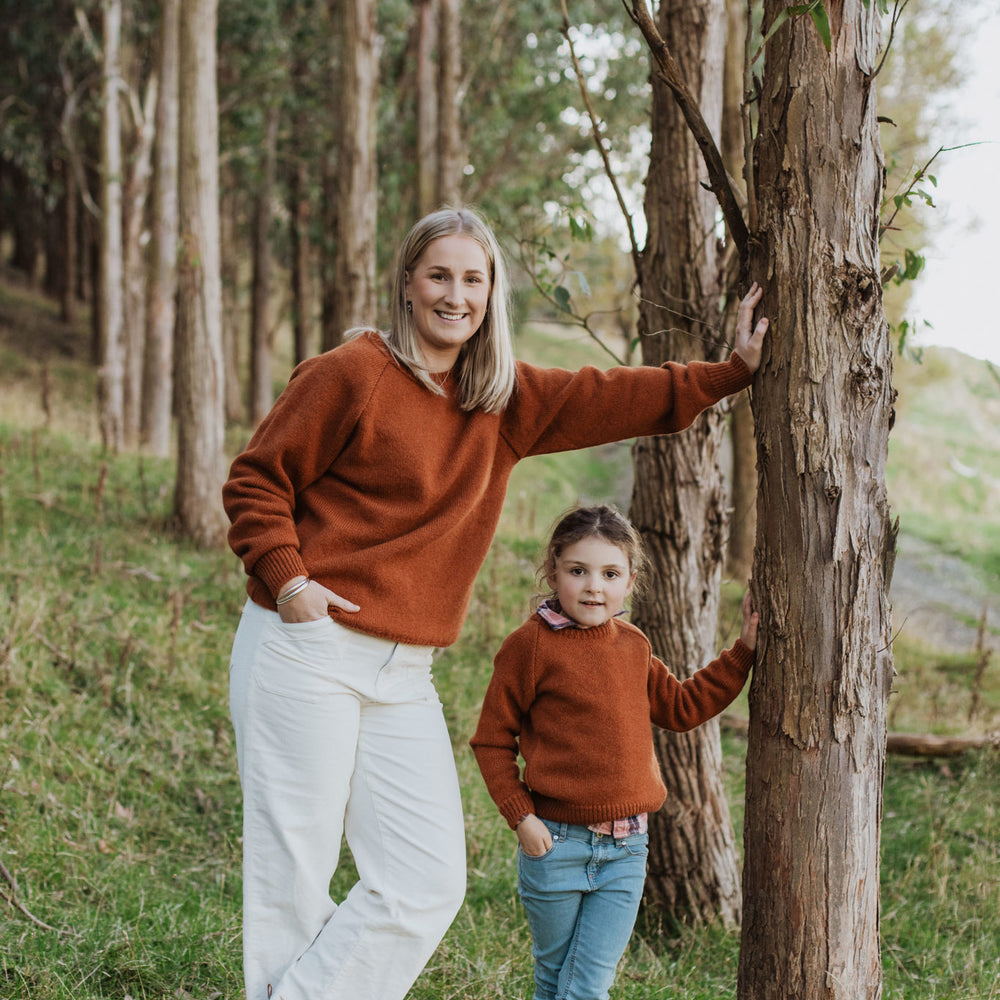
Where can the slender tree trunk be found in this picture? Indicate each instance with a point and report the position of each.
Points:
(261, 395)
(355, 298)
(67, 297)
(743, 481)
(300, 212)
(449, 128)
(427, 173)
(300, 215)
(678, 501)
(135, 260)
(200, 424)
(230, 267)
(331, 333)
(111, 310)
(158, 365)
(822, 402)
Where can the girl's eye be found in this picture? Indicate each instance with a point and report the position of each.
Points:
(577, 571)
(612, 574)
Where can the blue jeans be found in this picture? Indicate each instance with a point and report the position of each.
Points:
(581, 897)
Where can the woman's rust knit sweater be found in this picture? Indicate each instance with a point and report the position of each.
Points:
(389, 495)
(577, 704)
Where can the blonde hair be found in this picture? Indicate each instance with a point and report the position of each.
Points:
(485, 368)
(603, 521)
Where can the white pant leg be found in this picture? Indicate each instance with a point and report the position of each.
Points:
(332, 723)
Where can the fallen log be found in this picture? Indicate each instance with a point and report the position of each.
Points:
(902, 744)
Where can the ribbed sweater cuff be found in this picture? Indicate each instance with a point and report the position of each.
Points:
(736, 378)
(277, 567)
(514, 808)
(744, 657)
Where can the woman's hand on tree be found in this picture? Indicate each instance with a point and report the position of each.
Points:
(750, 343)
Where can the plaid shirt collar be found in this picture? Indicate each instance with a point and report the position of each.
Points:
(551, 611)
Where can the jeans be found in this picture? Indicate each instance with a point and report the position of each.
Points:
(340, 733)
(581, 897)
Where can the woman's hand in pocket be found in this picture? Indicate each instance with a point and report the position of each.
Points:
(311, 603)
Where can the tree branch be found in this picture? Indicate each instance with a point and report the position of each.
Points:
(18, 905)
(669, 72)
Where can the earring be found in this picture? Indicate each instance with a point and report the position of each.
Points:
(409, 307)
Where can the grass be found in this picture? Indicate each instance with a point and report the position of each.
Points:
(119, 798)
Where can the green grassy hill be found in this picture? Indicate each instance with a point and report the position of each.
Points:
(119, 800)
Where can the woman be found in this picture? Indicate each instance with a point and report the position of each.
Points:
(362, 509)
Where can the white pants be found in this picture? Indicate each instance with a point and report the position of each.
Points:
(339, 733)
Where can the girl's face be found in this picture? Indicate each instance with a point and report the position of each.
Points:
(448, 289)
(592, 578)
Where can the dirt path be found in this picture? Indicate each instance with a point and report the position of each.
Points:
(939, 598)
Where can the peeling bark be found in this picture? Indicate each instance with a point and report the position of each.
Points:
(821, 404)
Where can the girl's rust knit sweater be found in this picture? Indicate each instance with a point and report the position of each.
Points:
(389, 495)
(577, 704)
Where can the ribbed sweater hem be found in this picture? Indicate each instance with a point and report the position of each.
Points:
(584, 815)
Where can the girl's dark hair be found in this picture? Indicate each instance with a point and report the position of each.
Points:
(601, 521)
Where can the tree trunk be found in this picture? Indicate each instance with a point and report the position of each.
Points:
(158, 365)
(427, 174)
(67, 296)
(678, 500)
(301, 247)
(111, 310)
(261, 394)
(230, 268)
(821, 403)
(449, 128)
(354, 301)
(137, 193)
(200, 425)
(743, 480)
(743, 490)
(300, 214)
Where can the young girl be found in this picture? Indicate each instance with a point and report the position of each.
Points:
(574, 690)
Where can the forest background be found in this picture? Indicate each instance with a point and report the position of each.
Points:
(119, 804)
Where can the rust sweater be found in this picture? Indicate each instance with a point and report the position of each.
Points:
(577, 704)
(390, 495)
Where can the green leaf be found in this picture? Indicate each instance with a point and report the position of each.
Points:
(822, 22)
(561, 294)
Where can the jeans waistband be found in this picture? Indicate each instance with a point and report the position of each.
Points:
(577, 831)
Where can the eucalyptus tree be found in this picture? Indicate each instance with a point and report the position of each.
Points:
(679, 498)
(111, 289)
(201, 445)
(822, 404)
(158, 360)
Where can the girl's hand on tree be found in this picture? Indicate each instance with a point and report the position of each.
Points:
(748, 633)
(311, 603)
(750, 344)
(533, 836)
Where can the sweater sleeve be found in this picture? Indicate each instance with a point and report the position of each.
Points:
(558, 410)
(292, 447)
(682, 705)
(495, 742)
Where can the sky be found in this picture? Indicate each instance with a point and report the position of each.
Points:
(955, 292)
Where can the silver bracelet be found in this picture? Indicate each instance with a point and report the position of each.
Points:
(294, 592)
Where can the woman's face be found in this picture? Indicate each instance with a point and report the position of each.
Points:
(448, 289)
